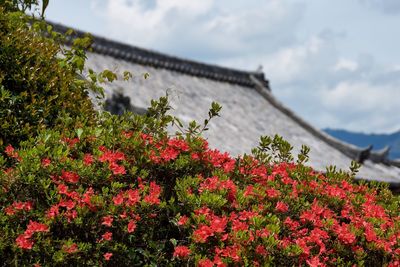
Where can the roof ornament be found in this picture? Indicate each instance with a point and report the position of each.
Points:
(364, 154)
(381, 156)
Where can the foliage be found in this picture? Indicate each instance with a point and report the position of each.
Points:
(40, 82)
(102, 190)
(124, 193)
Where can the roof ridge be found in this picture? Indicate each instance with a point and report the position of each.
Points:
(155, 59)
(354, 152)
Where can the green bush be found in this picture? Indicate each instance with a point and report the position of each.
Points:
(102, 190)
(126, 194)
(39, 82)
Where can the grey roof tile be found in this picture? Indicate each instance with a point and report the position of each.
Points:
(249, 108)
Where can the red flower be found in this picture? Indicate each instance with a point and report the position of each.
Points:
(23, 241)
(344, 234)
(315, 262)
(69, 204)
(181, 252)
(218, 224)
(107, 236)
(69, 177)
(260, 250)
(117, 169)
(202, 233)
(133, 197)
(131, 226)
(154, 194)
(71, 248)
(9, 150)
(9, 210)
(281, 207)
(62, 189)
(46, 162)
(272, 193)
(107, 256)
(88, 159)
(36, 227)
(183, 220)
(107, 220)
(118, 199)
(205, 263)
(169, 154)
(52, 212)
(370, 234)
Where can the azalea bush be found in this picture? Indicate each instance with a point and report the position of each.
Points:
(79, 188)
(125, 193)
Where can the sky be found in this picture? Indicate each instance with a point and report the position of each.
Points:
(335, 63)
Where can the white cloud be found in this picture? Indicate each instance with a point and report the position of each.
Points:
(308, 73)
(346, 65)
(207, 29)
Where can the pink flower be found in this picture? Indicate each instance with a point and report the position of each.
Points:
(181, 252)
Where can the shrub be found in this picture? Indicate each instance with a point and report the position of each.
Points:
(126, 194)
(39, 82)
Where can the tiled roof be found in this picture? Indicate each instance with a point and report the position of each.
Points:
(249, 108)
(157, 60)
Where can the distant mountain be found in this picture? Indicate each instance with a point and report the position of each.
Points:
(363, 140)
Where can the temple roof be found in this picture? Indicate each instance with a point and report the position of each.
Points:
(249, 108)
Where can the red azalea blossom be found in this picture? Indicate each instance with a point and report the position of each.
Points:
(9, 151)
(46, 162)
(23, 241)
(181, 252)
(218, 224)
(36, 227)
(118, 199)
(281, 207)
(202, 233)
(133, 197)
(88, 159)
(107, 220)
(205, 263)
(70, 177)
(70, 248)
(183, 220)
(117, 169)
(154, 194)
(107, 236)
(261, 250)
(52, 212)
(315, 262)
(131, 226)
(107, 256)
